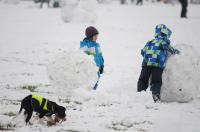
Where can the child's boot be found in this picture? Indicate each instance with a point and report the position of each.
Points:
(156, 97)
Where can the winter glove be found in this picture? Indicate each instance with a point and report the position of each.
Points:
(87, 52)
(176, 52)
(101, 69)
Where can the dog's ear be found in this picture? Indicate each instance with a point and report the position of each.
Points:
(56, 107)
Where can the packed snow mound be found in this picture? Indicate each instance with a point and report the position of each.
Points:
(181, 76)
(10, 123)
(4, 121)
(78, 11)
(11, 1)
(70, 71)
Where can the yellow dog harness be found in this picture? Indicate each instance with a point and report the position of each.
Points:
(43, 102)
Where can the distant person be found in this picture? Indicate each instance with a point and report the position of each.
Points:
(155, 54)
(42, 1)
(139, 2)
(184, 4)
(123, 2)
(56, 4)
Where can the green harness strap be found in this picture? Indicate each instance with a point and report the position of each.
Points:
(43, 102)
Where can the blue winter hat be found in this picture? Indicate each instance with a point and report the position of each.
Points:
(162, 31)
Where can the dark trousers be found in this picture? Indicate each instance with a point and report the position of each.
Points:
(42, 1)
(184, 4)
(153, 74)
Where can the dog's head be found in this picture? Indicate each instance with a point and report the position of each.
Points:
(60, 113)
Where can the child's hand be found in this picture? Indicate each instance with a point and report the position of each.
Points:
(101, 69)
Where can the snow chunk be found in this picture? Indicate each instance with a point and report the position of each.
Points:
(77, 11)
(181, 76)
(7, 123)
(4, 120)
(72, 70)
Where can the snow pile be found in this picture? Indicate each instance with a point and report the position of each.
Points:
(7, 123)
(77, 11)
(4, 121)
(70, 71)
(181, 76)
(11, 1)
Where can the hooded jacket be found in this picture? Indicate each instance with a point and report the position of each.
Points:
(155, 51)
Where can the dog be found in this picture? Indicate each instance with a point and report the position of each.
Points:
(42, 106)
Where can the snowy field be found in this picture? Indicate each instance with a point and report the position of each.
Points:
(30, 38)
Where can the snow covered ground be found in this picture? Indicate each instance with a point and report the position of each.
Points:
(31, 37)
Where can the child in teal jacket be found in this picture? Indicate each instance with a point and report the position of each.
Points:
(91, 47)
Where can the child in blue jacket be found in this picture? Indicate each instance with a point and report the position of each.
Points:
(91, 47)
(155, 55)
